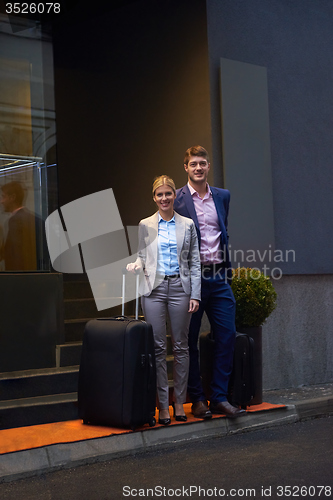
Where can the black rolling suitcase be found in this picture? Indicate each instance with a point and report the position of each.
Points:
(242, 379)
(117, 377)
(206, 351)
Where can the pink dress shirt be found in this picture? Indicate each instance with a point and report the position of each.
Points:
(210, 247)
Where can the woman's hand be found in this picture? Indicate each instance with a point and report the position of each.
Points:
(194, 306)
(133, 267)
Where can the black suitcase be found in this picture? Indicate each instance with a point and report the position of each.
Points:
(242, 379)
(117, 377)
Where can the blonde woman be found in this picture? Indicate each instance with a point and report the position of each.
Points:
(169, 257)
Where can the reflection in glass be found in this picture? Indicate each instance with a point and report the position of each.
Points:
(22, 230)
(28, 178)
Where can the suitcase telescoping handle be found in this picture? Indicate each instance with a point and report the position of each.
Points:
(137, 278)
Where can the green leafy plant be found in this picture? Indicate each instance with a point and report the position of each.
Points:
(255, 296)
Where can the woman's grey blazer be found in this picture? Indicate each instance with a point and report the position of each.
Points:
(187, 252)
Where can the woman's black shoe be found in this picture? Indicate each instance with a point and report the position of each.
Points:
(179, 418)
(164, 421)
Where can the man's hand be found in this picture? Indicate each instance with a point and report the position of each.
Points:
(194, 306)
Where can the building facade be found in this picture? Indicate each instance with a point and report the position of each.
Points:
(113, 97)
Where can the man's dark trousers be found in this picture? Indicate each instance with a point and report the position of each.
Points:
(217, 300)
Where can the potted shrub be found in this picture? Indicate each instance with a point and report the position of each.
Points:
(255, 300)
(255, 297)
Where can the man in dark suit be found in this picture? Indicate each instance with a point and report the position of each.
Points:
(208, 207)
(19, 249)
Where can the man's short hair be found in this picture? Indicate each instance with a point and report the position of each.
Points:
(14, 188)
(195, 151)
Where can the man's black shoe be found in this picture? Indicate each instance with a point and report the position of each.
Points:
(225, 408)
(200, 410)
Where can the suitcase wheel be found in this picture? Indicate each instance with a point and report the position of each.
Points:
(152, 422)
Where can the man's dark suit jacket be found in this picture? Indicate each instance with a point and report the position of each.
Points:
(184, 206)
(20, 244)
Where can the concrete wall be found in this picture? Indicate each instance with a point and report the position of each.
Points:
(298, 336)
(293, 41)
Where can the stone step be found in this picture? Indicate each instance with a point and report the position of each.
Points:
(36, 383)
(74, 329)
(81, 289)
(77, 290)
(68, 354)
(43, 396)
(43, 410)
(169, 367)
(49, 381)
(86, 308)
(38, 410)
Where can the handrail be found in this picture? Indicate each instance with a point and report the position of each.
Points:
(4, 156)
(12, 162)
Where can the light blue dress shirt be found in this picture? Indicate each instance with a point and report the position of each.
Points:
(167, 262)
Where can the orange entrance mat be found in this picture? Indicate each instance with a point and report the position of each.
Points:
(36, 436)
